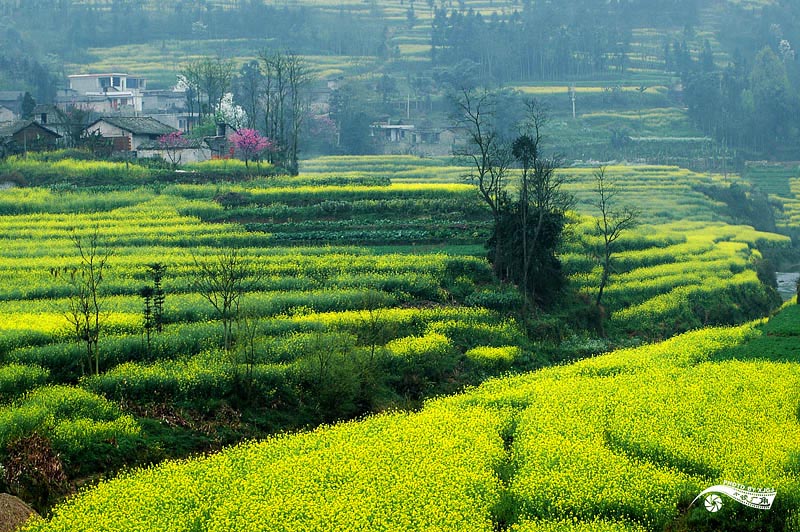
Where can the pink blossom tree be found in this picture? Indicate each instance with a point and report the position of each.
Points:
(173, 143)
(250, 143)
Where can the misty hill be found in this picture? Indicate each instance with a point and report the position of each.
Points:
(662, 81)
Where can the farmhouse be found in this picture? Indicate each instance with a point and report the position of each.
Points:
(6, 114)
(12, 100)
(194, 151)
(29, 135)
(392, 132)
(408, 138)
(107, 93)
(127, 133)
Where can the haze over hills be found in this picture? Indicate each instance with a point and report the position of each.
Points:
(660, 81)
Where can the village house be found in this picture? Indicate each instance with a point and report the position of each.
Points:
(12, 100)
(217, 146)
(106, 93)
(127, 133)
(7, 115)
(409, 139)
(169, 107)
(194, 151)
(28, 135)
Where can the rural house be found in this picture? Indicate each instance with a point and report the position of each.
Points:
(194, 151)
(127, 133)
(106, 93)
(12, 100)
(6, 114)
(29, 135)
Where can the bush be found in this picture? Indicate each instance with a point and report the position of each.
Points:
(16, 379)
(493, 359)
(329, 374)
(417, 363)
(502, 299)
(465, 334)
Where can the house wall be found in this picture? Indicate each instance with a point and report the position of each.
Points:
(33, 138)
(7, 115)
(188, 156)
(92, 83)
(108, 130)
(116, 135)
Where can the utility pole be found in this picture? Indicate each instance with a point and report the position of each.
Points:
(572, 97)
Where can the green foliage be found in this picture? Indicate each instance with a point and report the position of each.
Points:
(341, 330)
(89, 432)
(647, 424)
(16, 379)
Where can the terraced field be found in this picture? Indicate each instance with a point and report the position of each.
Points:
(374, 271)
(620, 442)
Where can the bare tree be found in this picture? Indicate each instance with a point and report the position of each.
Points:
(610, 224)
(488, 156)
(286, 103)
(276, 88)
(250, 91)
(300, 77)
(211, 77)
(223, 280)
(85, 314)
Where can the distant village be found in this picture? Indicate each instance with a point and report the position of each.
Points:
(120, 116)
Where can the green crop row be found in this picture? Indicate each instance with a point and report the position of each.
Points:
(619, 442)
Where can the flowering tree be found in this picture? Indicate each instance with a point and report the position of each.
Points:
(173, 143)
(250, 144)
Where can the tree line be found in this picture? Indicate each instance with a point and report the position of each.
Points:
(548, 40)
(273, 92)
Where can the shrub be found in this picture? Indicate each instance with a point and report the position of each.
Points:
(503, 299)
(417, 362)
(493, 359)
(16, 379)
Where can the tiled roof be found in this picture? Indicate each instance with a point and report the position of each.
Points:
(8, 129)
(8, 96)
(138, 125)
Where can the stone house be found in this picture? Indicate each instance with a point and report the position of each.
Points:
(127, 133)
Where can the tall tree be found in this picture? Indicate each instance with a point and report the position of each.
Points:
(352, 113)
(287, 78)
(211, 78)
(611, 223)
(770, 98)
(487, 157)
(249, 92)
(531, 225)
(27, 106)
(300, 78)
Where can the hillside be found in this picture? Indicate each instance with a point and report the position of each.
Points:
(632, 81)
(365, 288)
(622, 441)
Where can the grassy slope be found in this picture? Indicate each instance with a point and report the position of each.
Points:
(619, 442)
